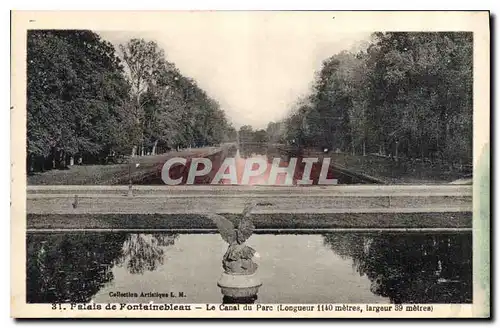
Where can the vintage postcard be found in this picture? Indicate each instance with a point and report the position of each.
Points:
(250, 164)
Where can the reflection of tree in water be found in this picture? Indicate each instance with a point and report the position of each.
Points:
(69, 267)
(144, 252)
(74, 267)
(411, 268)
(248, 151)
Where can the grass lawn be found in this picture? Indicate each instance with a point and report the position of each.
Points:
(115, 174)
(392, 172)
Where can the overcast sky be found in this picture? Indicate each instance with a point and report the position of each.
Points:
(254, 68)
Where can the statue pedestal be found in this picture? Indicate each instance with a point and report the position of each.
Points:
(239, 285)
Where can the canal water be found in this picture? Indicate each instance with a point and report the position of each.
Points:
(267, 155)
(294, 268)
(284, 156)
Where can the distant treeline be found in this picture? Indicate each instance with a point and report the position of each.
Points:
(407, 95)
(86, 102)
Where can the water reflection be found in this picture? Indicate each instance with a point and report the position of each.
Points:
(285, 154)
(415, 269)
(63, 268)
(72, 267)
(331, 268)
(141, 252)
(258, 151)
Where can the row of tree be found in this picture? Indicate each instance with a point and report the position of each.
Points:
(407, 95)
(86, 101)
(273, 134)
(246, 134)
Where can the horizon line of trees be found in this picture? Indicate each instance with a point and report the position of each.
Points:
(85, 102)
(274, 133)
(408, 94)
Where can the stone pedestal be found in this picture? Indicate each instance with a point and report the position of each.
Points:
(239, 285)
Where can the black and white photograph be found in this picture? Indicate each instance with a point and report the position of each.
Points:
(252, 164)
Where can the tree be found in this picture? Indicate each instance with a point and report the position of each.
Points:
(231, 134)
(260, 136)
(276, 131)
(245, 134)
(75, 89)
(427, 84)
(407, 94)
(145, 62)
(169, 107)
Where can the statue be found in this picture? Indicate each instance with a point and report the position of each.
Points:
(239, 280)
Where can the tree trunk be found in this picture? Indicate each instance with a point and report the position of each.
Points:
(30, 163)
(62, 159)
(364, 148)
(53, 159)
(153, 151)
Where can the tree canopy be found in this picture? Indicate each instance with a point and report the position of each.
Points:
(408, 94)
(75, 92)
(87, 100)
